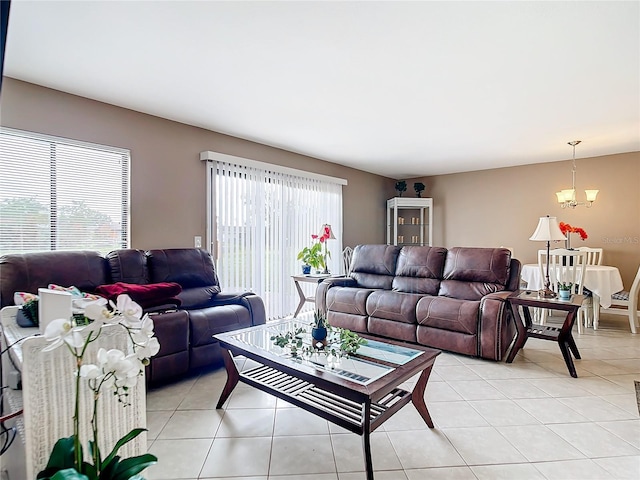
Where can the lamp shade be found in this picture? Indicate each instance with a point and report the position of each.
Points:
(591, 195)
(547, 230)
(326, 228)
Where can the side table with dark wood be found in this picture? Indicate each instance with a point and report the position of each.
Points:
(310, 278)
(525, 329)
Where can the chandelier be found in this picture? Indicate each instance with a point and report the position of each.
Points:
(567, 198)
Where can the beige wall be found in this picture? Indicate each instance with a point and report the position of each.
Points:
(502, 206)
(484, 208)
(167, 178)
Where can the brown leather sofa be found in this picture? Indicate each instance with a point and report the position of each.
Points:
(452, 300)
(184, 325)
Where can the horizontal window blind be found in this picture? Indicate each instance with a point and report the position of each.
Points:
(61, 194)
(261, 219)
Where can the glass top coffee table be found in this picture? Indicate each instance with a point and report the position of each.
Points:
(358, 393)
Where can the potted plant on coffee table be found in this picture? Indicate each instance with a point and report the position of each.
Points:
(319, 327)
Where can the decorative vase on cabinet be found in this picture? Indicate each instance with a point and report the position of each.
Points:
(413, 227)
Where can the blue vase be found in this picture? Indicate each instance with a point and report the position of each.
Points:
(306, 269)
(319, 335)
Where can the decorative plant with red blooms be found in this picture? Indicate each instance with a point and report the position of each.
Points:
(565, 228)
(326, 235)
(312, 256)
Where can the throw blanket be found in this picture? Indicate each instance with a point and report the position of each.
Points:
(147, 296)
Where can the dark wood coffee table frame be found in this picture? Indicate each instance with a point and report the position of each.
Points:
(358, 408)
(526, 329)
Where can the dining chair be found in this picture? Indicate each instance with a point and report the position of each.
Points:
(347, 253)
(565, 266)
(627, 300)
(594, 255)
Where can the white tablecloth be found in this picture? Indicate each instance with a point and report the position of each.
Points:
(602, 280)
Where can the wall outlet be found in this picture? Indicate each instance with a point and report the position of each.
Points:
(197, 241)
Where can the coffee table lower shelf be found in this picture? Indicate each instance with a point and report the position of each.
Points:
(343, 412)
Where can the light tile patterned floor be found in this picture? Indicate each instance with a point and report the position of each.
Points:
(526, 420)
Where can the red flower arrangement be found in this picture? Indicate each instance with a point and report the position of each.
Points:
(565, 228)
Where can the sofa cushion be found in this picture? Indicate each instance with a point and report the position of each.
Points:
(392, 329)
(447, 340)
(374, 266)
(400, 307)
(448, 314)
(29, 271)
(471, 273)
(348, 300)
(128, 265)
(205, 323)
(191, 268)
(350, 321)
(419, 270)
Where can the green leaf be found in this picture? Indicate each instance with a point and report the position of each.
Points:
(62, 458)
(133, 465)
(90, 470)
(108, 469)
(123, 441)
(69, 474)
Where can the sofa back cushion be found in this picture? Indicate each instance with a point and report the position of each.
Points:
(27, 272)
(471, 273)
(374, 266)
(419, 270)
(191, 268)
(128, 266)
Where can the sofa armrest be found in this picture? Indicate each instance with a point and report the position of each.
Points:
(501, 296)
(326, 284)
(249, 300)
(497, 328)
(514, 275)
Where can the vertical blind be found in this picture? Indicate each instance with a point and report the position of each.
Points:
(61, 194)
(260, 220)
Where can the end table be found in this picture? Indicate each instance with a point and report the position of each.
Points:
(307, 278)
(529, 298)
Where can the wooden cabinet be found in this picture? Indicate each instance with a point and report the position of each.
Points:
(409, 221)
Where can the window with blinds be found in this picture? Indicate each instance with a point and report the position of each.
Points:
(61, 194)
(260, 219)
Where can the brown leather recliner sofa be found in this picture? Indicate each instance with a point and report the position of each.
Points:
(452, 300)
(184, 325)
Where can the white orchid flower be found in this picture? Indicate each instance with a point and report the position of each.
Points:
(90, 372)
(124, 369)
(61, 331)
(144, 333)
(129, 310)
(148, 349)
(97, 311)
(126, 376)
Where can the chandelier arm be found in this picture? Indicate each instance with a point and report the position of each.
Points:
(572, 202)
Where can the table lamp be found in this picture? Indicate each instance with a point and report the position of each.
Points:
(546, 231)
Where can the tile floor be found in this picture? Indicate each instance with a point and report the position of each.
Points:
(526, 420)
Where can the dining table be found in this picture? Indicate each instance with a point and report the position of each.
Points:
(601, 280)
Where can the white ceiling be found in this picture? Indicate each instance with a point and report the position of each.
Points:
(401, 89)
